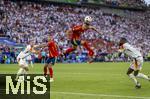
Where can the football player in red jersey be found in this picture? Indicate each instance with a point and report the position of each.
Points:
(76, 32)
(53, 54)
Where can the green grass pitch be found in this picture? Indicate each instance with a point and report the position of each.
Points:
(91, 81)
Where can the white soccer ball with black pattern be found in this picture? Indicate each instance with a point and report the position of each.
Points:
(88, 19)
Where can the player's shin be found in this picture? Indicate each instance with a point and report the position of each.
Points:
(69, 50)
(85, 44)
(19, 73)
(91, 53)
(31, 63)
(51, 72)
(45, 70)
(133, 78)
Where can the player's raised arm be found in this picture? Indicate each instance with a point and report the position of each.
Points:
(87, 21)
(40, 46)
(93, 28)
(36, 47)
(35, 51)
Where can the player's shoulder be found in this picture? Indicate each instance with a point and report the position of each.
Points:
(126, 45)
(28, 46)
(51, 42)
(77, 26)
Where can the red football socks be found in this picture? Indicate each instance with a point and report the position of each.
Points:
(91, 53)
(51, 72)
(69, 50)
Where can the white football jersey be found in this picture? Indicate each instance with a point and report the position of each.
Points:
(26, 52)
(131, 51)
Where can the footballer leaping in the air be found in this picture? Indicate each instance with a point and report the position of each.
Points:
(135, 67)
(21, 59)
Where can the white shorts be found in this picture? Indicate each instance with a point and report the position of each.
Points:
(137, 63)
(29, 58)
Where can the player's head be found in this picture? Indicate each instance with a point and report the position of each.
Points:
(122, 41)
(49, 38)
(88, 20)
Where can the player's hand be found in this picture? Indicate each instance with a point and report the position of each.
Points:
(119, 50)
(35, 51)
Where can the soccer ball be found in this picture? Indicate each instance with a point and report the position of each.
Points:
(88, 19)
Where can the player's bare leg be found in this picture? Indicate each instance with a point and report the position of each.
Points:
(91, 52)
(51, 72)
(45, 70)
(19, 73)
(31, 63)
(22, 72)
(69, 50)
(26, 69)
(143, 76)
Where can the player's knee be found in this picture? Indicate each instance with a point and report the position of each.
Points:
(136, 73)
(26, 68)
(46, 65)
(50, 65)
(128, 73)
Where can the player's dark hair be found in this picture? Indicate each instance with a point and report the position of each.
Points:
(122, 41)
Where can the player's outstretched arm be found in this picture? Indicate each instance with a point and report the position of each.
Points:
(36, 47)
(35, 51)
(40, 46)
(93, 28)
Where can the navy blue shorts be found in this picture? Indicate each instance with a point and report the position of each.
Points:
(51, 60)
(75, 42)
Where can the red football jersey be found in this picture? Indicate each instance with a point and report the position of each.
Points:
(52, 47)
(77, 31)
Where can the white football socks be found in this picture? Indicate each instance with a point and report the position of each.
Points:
(20, 71)
(31, 63)
(133, 78)
(140, 75)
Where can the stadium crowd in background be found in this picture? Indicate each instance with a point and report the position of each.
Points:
(127, 3)
(8, 56)
(119, 3)
(23, 22)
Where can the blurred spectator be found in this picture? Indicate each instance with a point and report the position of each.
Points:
(43, 54)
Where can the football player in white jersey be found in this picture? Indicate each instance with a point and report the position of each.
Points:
(21, 59)
(29, 60)
(136, 65)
